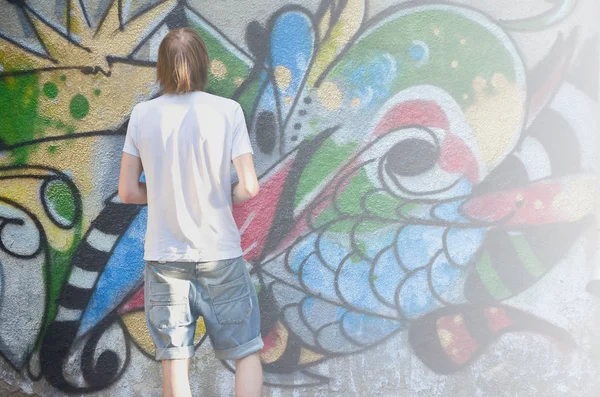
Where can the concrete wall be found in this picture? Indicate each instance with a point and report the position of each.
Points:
(426, 220)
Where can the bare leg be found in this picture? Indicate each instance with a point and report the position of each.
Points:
(176, 380)
(249, 376)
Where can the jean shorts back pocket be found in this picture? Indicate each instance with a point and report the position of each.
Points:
(169, 303)
(231, 301)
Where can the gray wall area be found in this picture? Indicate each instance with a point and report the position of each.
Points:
(426, 222)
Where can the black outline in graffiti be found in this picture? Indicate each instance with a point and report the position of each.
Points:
(59, 138)
(46, 270)
(283, 215)
(61, 334)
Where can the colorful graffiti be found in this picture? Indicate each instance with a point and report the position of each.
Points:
(415, 175)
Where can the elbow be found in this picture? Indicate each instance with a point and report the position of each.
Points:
(125, 196)
(253, 191)
(245, 193)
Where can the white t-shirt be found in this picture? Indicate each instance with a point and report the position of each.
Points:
(186, 144)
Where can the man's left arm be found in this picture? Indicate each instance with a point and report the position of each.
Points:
(131, 190)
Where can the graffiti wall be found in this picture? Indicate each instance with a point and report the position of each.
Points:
(426, 218)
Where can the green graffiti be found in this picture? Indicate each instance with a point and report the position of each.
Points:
(382, 204)
(97, 92)
(362, 247)
(248, 96)
(18, 113)
(227, 70)
(369, 226)
(325, 161)
(79, 107)
(233, 68)
(50, 90)
(454, 60)
(490, 278)
(328, 215)
(350, 199)
(61, 200)
(530, 260)
(344, 226)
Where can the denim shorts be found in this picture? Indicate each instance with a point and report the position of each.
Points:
(177, 293)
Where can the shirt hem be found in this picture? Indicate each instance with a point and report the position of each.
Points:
(239, 153)
(130, 151)
(192, 256)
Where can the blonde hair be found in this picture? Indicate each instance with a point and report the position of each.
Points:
(182, 64)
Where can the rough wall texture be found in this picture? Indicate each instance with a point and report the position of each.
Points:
(426, 220)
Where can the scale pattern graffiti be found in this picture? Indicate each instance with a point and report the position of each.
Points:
(410, 181)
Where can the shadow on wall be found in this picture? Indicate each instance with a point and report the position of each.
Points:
(415, 175)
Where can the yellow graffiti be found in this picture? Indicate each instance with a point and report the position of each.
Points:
(281, 340)
(577, 199)
(309, 356)
(330, 95)
(94, 93)
(283, 77)
(137, 328)
(76, 155)
(496, 117)
(338, 36)
(95, 46)
(25, 186)
(218, 69)
(108, 99)
(238, 81)
(445, 336)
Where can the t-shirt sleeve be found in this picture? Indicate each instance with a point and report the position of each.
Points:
(131, 138)
(241, 139)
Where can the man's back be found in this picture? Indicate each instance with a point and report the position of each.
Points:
(186, 144)
(185, 141)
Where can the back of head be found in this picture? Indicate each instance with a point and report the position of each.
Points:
(182, 62)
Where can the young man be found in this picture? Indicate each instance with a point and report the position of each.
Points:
(185, 142)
